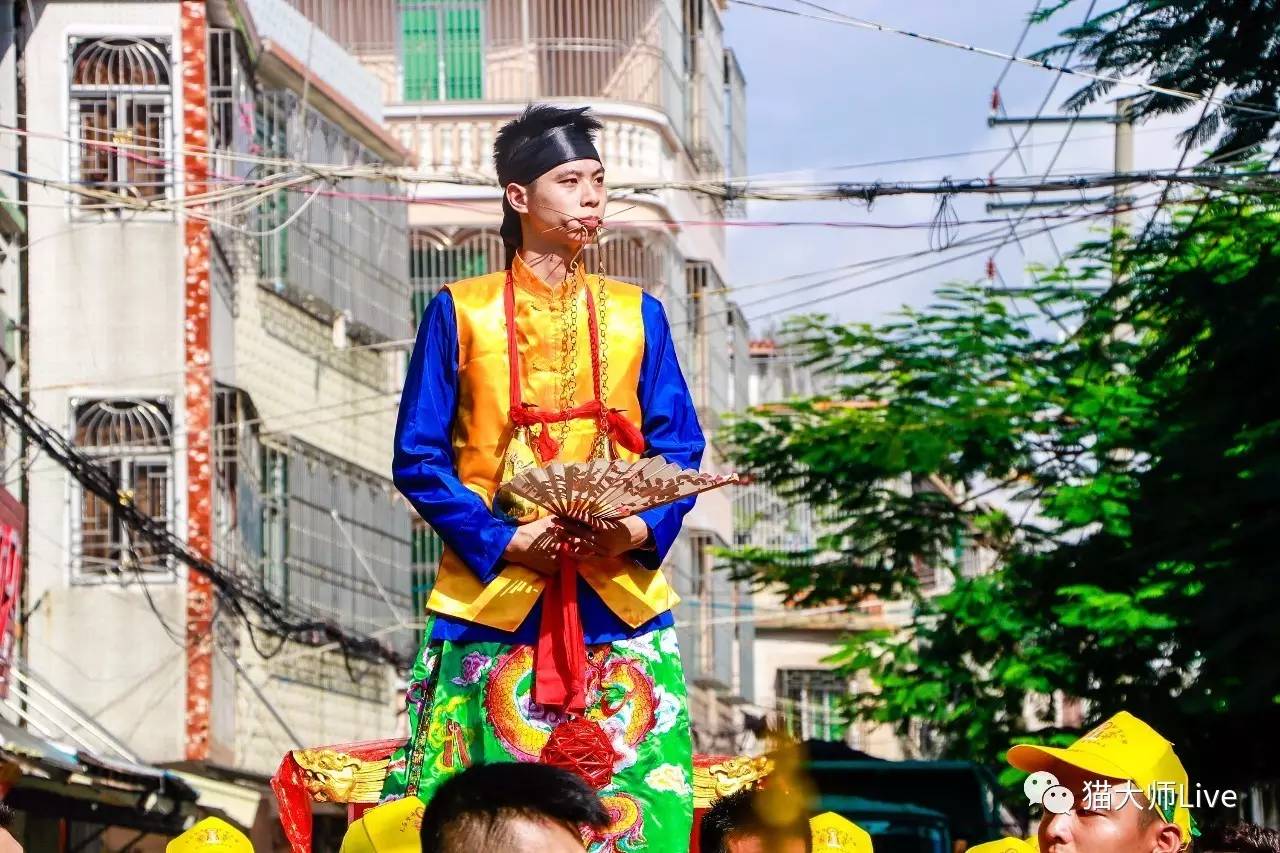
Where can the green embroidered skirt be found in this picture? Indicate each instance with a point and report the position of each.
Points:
(472, 703)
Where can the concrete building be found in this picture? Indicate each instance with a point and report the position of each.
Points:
(13, 226)
(796, 689)
(672, 101)
(233, 360)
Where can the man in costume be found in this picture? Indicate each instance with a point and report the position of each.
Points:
(548, 642)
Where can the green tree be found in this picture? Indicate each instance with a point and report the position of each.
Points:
(1128, 479)
(1222, 48)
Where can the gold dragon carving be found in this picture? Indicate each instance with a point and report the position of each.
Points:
(727, 777)
(336, 777)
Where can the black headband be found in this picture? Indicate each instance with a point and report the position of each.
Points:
(557, 146)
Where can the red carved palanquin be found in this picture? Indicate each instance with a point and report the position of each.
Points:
(352, 773)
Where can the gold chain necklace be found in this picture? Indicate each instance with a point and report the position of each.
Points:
(568, 373)
(602, 447)
(568, 344)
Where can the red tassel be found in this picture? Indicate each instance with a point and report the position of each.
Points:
(546, 446)
(624, 432)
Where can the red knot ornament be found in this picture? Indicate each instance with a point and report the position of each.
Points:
(582, 747)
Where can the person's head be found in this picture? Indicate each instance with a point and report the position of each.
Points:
(1239, 838)
(8, 844)
(513, 807)
(552, 180)
(1100, 791)
(734, 824)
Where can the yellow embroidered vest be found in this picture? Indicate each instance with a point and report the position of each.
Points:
(484, 440)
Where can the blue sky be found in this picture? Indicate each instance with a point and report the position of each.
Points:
(822, 95)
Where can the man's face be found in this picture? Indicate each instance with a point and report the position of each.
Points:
(565, 206)
(1097, 826)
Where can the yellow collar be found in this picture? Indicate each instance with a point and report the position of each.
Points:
(528, 280)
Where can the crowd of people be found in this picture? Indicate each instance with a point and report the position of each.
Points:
(527, 807)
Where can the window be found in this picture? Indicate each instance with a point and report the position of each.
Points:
(435, 260)
(442, 50)
(121, 100)
(336, 540)
(809, 703)
(272, 113)
(133, 440)
(275, 522)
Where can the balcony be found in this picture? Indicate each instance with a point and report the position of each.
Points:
(428, 51)
(453, 138)
(452, 72)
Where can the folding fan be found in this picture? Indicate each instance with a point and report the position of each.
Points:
(602, 490)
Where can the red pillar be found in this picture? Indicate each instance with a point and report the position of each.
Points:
(199, 380)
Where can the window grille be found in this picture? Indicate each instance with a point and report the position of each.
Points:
(133, 440)
(121, 101)
(809, 703)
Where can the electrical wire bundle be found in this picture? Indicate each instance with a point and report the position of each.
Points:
(234, 591)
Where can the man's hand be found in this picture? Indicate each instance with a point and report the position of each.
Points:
(534, 545)
(610, 540)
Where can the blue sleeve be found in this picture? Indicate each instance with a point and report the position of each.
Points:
(423, 466)
(669, 422)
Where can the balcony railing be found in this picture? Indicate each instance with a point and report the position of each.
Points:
(464, 144)
(514, 50)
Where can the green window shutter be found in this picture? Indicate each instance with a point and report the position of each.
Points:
(464, 54)
(419, 42)
(472, 264)
(431, 268)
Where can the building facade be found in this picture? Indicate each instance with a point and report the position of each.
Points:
(796, 689)
(223, 331)
(672, 100)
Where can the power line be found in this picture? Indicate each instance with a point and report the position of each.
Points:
(1015, 222)
(984, 241)
(231, 587)
(888, 279)
(945, 156)
(1251, 181)
(464, 180)
(834, 17)
(1026, 29)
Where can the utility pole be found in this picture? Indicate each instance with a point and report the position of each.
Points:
(1120, 200)
(1123, 163)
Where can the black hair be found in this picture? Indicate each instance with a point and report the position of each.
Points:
(532, 124)
(738, 813)
(478, 803)
(6, 816)
(1239, 838)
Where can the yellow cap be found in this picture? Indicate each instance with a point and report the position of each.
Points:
(208, 836)
(392, 827)
(1126, 748)
(1004, 845)
(833, 833)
